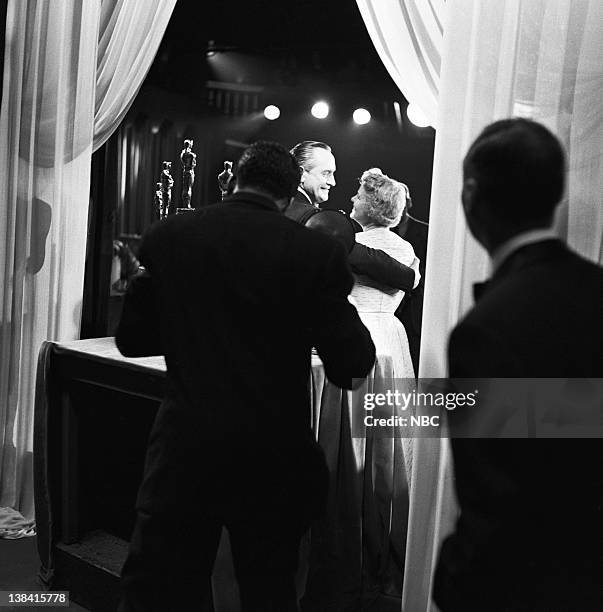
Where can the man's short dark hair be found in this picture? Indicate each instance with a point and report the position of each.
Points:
(268, 166)
(519, 167)
(303, 152)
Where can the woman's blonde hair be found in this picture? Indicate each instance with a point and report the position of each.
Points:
(386, 198)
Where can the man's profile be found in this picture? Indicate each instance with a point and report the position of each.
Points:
(529, 533)
(317, 175)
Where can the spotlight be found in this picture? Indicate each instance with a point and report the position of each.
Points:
(361, 116)
(211, 48)
(398, 113)
(320, 110)
(272, 112)
(416, 116)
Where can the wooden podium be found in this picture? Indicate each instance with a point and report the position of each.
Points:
(93, 414)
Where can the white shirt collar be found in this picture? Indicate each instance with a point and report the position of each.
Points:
(518, 241)
(307, 197)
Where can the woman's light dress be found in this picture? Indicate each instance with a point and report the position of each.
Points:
(358, 550)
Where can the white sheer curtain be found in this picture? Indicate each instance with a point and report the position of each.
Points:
(408, 37)
(535, 58)
(54, 78)
(129, 36)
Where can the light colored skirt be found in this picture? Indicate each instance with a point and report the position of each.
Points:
(357, 552)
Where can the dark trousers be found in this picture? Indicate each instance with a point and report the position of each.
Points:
(169, 566)
(265, 502)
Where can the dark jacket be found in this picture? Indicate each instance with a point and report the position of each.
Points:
(235, 296)
(529, 533)
(374, 263)
(410, 311)
(300, 209)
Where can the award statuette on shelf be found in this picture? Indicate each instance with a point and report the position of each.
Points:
(165, 184)
(189, 161)
(158, 203)
(224, 179)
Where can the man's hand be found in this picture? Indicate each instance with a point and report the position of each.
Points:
(386, 270)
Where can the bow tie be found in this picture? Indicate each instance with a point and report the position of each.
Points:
(479, 289)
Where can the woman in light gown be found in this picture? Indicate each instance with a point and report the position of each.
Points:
(359, 549)
(377, 206)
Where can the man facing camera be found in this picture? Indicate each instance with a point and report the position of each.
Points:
(235, 296)
(317, 176)
(529, 534)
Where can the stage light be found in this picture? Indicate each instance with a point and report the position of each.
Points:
(416, 116)
(361, 116)
(272, 112)
(211, 48)
(398, 113)
(320, 110)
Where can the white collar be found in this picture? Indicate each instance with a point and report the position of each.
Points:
(307, 197)
(520, 240)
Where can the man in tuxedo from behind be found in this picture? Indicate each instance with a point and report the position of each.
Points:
(317, 167)
(529, 533)
(235, 296)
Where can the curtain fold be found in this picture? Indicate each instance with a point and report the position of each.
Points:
(408, 36)
(535, 59)
(47, 126)
(531, 58)
(46, 133)
(130, 30)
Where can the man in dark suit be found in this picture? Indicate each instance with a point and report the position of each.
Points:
(529, 533)
(235, 296)
(410, 311)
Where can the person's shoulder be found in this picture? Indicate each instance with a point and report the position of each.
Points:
(388, 241)
(567, 267)
(313, 248)
(547, 287)
(300, 198)
(584, 265)
(585, 283)
(300, 210)
(401, 241)
(494, 307)
(312, 238)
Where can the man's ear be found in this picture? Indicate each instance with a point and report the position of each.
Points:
(476, 215)
(468, 194)
(302, 172)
